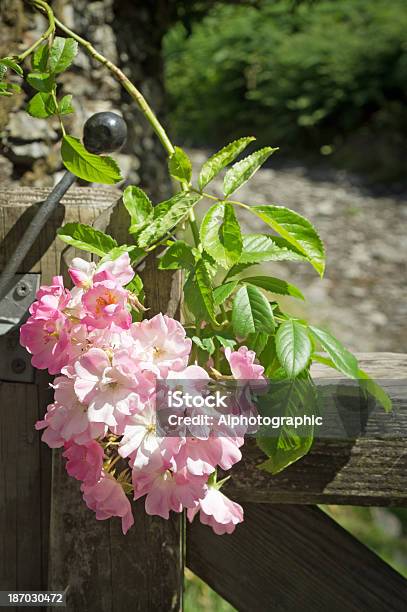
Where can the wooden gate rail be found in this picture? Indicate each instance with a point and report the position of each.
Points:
(285, 556)
(368, 471)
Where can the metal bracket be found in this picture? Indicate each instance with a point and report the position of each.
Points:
(15, 362)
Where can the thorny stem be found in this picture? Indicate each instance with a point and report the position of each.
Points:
(194, 227)
(54, 97)
(50, 30)
(140, 101)
(216, 199)
(126, 83)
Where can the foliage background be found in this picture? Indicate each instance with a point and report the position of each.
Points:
(324, 78)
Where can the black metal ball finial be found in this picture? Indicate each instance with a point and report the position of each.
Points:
(104, 133)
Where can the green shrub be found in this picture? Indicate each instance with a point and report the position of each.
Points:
(319, 76)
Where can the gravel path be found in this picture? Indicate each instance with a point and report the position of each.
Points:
(363, 296)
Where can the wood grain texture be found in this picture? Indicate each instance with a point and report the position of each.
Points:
(369, 470)
(25, 462)
(19, 205)
(285, 558)
(20, 493)
(101, 569)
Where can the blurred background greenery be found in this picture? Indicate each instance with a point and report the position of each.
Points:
(326, 78)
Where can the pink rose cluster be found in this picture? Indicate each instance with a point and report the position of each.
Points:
(104, 409)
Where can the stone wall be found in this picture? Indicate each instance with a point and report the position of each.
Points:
(128, 33)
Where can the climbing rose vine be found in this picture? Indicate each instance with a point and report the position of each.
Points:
(109, 358)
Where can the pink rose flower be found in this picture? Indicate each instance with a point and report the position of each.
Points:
(81, 272)
(166, 339)
(50, 299)
(140, 441)
(242, 364)
(118, 269)
(67, 419)
(217, 511)
(106, 304)
(203, 456)
(112, 387)
(49, 342)
(84, 273)
(108, 499)
(84, 461)
(166, 490)
(52, 333)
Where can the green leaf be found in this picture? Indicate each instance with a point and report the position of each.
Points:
(260, 247)
(221, 293)
(284, 450)
(205, 344)
(39, 60)
(205, 288)
(269, 360)
(86, 238)
(41, 81)
(166, 216)
(222, 158)
(42, 105)
(87, 166)
(220, 234)
(226, 342)
(61, 54)
(251, 312)
(297, 230)
(366, 382)
(209, 262)
(242, 171)
(135, 285)
(8, 62)
(178, 256)
(369, 385)
(343, 359)
(179, 166)
(65, 105)
(138, 206)
(133, 251)
(257, 342)
(136, 254)
(198, 293)
(275, 285)
(293, 347)
(295, 397)
(7, 89)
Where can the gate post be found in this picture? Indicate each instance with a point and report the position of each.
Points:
(101, 569)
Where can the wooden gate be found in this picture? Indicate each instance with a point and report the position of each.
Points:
(288, 554)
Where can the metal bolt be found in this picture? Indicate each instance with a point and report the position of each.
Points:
(22, 289)
(18, 365)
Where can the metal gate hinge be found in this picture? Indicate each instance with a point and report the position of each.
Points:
(15, 362)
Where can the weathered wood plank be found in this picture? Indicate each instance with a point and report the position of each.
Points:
(368, 471)
(286, 558)
(104, 570)
(20, 492)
